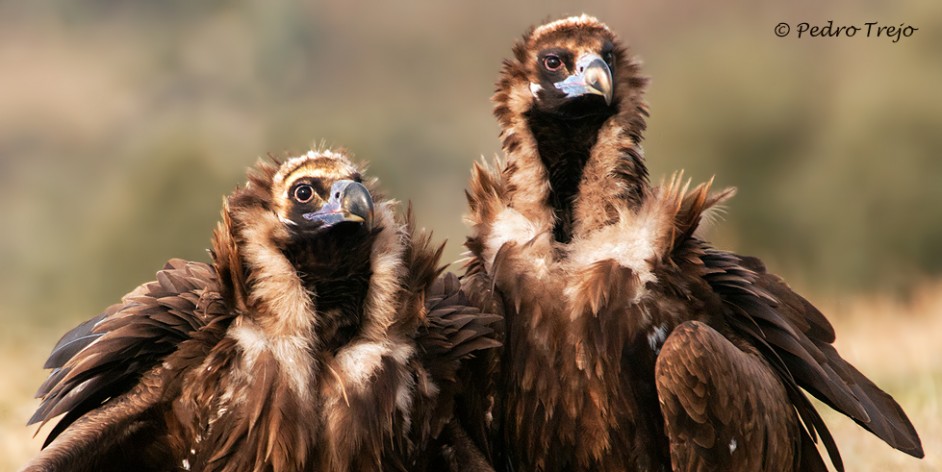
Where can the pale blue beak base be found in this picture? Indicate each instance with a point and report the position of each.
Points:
(599, 81)
(349, 201)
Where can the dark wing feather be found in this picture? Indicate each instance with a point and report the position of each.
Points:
(479, 402)
(106, 356)
(456, 335)
(75, 340)
(123, 434)
(887, 420)
(724, 408)
(799, 312)
(455, 329)
(796, 340)
(461, 453)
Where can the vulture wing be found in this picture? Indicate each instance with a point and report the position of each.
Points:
(455, 328)
(454, 334)
(794, 341)
(107, 375)
(125, 433)
(868, 405)
(771, 347)
(479, 405)
(724, 407)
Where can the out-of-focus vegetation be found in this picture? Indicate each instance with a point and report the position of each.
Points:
(897, 345)
(123, 123)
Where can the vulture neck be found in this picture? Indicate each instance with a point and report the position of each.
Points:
(564, 146)
(336, 271)
(593, 164)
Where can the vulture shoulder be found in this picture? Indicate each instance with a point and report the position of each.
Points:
(109, 373)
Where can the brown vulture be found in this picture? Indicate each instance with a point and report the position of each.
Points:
(321, 337)
(629, 343)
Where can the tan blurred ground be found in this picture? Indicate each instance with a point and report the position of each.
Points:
(123, 123)
(896, 345)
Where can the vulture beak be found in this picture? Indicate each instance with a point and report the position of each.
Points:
(592, 76)
(349, 201)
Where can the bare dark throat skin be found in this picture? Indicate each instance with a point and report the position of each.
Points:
(336, 268)
(564, 141)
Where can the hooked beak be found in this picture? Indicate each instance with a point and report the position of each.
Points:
(592, 76)
(349, 201)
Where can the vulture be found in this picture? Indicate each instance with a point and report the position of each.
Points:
(323, 336)
(629, 342)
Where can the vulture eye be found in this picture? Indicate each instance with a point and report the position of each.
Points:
(552, 62)
(303, 193)
(609, 58)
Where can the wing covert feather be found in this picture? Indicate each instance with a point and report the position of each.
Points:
(106, 356)
(724, 408)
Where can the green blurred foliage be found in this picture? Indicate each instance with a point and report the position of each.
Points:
(122, 124)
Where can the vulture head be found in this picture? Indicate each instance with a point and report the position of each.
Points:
(570, 102)
(313, 221)
(314, 193)
(572, 68)
(570, 72)
(308, 202)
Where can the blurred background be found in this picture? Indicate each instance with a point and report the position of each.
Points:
(123, 123)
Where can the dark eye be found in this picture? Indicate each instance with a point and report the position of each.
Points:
(552, 62)
(303, 193)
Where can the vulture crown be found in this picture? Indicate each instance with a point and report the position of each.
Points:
(629, 343)
(321, 337)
